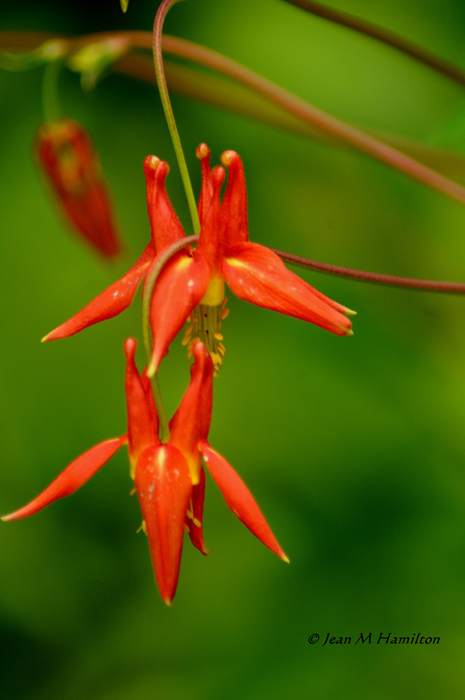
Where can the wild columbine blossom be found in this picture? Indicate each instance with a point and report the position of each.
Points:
(68, 159)
(169, 477)
(191, 285)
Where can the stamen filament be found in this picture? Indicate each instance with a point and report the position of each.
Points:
(205, 325)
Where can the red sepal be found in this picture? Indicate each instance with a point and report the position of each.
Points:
(239, 499)
(257, 275)
(72, 478)
(115, 299)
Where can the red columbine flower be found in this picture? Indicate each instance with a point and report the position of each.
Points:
(169, 477)
(72, 167)
(196, 278)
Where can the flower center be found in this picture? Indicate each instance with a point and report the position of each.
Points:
(205, 325)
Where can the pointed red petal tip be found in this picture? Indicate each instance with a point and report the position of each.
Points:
(72, 478)
(254, 273)
(239, 499)
(111, 302)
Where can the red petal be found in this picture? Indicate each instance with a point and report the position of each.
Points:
(115, 299)
(194, 516)
(257, 275)
(142, 428)
(234, 207)
(71, 478)
(178, 290)
(166, 227)
(164, 488)
(239, 499)
(191, 422)
(206, 193)
(210, 241)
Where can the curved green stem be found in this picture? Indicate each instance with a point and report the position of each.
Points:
(165, 99)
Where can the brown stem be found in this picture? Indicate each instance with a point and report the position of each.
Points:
(317, 117)
(449, 70)
(372, 277)
(292, 104)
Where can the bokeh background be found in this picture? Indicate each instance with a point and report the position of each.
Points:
(353, 447)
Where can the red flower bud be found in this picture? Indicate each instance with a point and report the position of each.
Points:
(67, 158)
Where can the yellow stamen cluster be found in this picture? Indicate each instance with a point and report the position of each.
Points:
(205, 325)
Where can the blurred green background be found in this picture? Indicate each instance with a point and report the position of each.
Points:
(353, 447)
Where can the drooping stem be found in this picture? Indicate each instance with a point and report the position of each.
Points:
(298, 108)
(385, 36)
(373, 277)
(165, 99)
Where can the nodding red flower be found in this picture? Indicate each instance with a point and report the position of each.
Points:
(72, 167)
(169, 477)
(196, 278)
